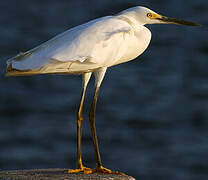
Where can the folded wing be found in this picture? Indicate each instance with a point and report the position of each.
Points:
(95, 42)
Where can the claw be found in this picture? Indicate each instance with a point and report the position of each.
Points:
(84, 170)
(101, 169)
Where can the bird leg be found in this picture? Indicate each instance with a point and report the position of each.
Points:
(99, 75)
(99, 167)
(79, 130)
(93, 129)
(80, 167)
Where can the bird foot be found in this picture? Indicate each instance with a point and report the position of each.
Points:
(101, 169)
(84, 170)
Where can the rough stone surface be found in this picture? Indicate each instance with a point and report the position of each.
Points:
(57, 174)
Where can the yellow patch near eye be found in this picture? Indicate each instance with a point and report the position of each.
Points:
(153, 16)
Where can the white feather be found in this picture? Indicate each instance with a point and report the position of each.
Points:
(81, 43)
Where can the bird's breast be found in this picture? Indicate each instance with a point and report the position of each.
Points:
(136, 44)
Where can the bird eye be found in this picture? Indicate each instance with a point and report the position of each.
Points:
(149, 15)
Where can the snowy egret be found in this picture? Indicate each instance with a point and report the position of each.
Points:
(92, 48)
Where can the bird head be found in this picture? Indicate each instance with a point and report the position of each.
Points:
(144, 16)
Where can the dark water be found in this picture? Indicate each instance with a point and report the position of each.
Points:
(152, 117)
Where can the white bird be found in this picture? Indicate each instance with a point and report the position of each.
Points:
(92, 48)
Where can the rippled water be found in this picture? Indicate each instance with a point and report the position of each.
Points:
(152, 116)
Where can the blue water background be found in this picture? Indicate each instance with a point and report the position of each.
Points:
(152, 114)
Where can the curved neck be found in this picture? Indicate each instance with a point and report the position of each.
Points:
(130, 18)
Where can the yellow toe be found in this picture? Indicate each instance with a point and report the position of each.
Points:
(83, 170)
(101, 169)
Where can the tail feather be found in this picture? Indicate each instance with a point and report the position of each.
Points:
(21, 58)
(43, 70)
(15, 72)
(10, 71)
(18, 66)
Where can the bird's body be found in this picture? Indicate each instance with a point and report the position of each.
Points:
(102, 42)
(92, 48)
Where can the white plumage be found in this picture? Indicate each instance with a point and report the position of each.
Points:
(92, 48)
(102, 42)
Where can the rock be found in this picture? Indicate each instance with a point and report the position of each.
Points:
(57, 174)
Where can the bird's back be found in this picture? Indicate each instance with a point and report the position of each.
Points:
(80, 44)
(101, 42)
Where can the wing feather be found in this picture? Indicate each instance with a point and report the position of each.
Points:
(94, 41)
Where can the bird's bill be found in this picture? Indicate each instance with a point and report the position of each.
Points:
(168, 20)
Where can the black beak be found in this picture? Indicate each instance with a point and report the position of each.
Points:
(177, 21)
